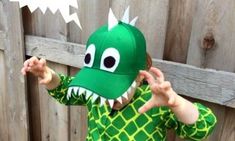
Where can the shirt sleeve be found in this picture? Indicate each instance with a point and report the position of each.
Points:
(60, 93)
(197, 131)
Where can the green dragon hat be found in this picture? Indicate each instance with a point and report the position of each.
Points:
(114, 55)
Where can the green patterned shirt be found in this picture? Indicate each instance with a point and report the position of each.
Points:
(105, 124)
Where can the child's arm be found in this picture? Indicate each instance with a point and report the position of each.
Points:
(39, 68)
(57, 85)
(164, 95)
(191, 121)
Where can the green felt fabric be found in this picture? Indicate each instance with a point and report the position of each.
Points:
(127, 124)
(130, 44)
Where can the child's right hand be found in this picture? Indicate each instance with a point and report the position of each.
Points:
(38, 68)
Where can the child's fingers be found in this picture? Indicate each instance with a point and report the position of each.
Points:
(171, 100)
(33, 61)
(148, 77)
(26, 67)
(23, 71)
(165, 86)
(26, 63)
(42, 62)
(158, 73)
(37, 66)
(45, 80)
(147, 106)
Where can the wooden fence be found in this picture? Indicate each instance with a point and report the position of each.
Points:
(191, 41)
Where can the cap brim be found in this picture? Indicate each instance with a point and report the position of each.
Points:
(106, 84)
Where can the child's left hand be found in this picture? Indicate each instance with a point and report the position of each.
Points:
(162, 92)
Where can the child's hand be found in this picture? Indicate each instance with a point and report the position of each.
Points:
(38, 68)
(162, 92)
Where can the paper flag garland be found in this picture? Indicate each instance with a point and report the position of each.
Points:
(53, 5)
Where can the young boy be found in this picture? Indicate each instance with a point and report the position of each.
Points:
(110, 85)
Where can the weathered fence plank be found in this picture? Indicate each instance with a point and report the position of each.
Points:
(55, 50)
(3, 103)
(212, 46)
(2, 39)
(212, 36)
(15, 97)
(178, 30)
(154, 28)
(97, 11)
(54, 116)
(78, 118)
(3, 110)
(55, 124)
(178, 33)
(228, 133)
(206, 84)
(36, 132)
(34, 108)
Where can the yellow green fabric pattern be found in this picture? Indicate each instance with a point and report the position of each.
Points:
(105, 124)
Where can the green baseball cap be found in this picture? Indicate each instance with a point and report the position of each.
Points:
(112, 62)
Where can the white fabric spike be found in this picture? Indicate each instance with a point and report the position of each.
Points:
(126, 16)
(63, 6)
(133, 84)
(22, 2)
(32, 7)
(125, 95)
(112, 21)
(129, 90)
(111, 102)
(119, 99)
(69, 93)
(81, 91)
(94, 97)
(102, 101)
(75, 90)
(88, 94)
(134, 21)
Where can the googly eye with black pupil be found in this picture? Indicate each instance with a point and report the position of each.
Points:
(110, 59)
(89, 56)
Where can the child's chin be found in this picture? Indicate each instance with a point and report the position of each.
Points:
(117, 105)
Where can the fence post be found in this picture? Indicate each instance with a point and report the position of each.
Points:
(15, 95)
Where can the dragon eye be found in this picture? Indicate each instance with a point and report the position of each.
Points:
(87, 58)
(110, 60)
(89, 55)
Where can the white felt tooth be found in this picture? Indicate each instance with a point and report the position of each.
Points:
(125, 95)
(81, 91)
(88, 94)
(119, 99)
(94, 97)
(112, 21)
(134, 21)
(69, 93)
(75, 90)
(111, 102)
(129, 90)
(102, 101)
(133, 84)
(126, 16)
